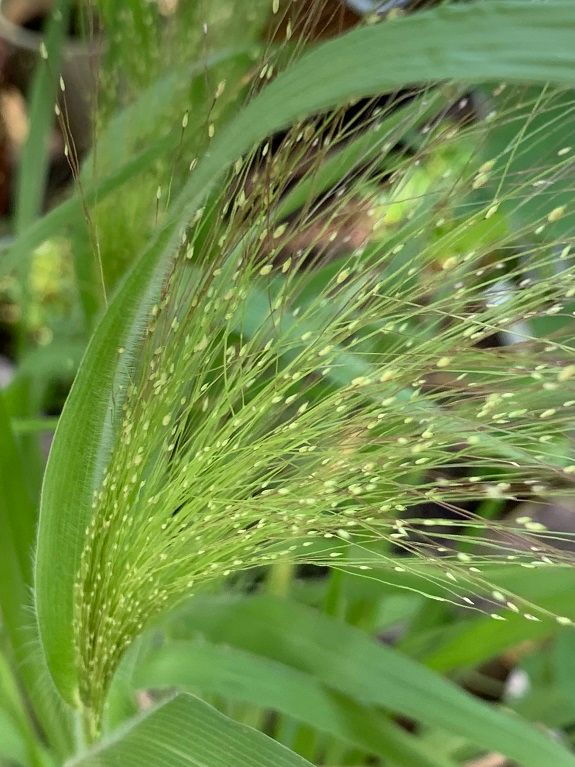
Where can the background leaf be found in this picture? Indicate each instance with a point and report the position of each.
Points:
(183, 732)
(348, 660)
(238, 675)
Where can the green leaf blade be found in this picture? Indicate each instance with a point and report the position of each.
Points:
(242, 676)
(349, 661)
(186, 732)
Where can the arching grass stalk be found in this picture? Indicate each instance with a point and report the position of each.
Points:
(306, 383)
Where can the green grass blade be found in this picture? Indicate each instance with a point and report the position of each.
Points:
(472, 42)
(186, 732)
(563, 659)
(33, 167)
(238, 675)
(17, 530)
(349, 661)
(17, 526)
(12, 745)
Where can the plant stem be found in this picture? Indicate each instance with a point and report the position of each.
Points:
(279, 579)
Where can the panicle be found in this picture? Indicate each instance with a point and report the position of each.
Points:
(364, 337)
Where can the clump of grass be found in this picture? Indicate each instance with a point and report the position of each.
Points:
(320, 366)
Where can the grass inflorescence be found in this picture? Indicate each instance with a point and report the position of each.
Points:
(366, 321)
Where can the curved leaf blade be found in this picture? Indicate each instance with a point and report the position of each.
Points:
(347, 660)
(238, 675)
(186, 732)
